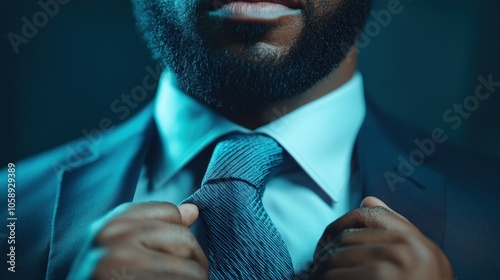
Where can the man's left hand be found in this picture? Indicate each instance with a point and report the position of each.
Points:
(374, 242)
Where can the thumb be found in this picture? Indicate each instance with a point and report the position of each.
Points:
(372, 201)
(189, 213)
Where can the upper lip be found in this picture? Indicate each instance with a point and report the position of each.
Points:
(292, 4)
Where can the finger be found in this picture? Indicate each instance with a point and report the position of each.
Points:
(174, 267)
(189, 213)
(361, 237)
(161, 211)
(344, 274)
(372, 201)
(157, 236)
(378, 271)
(153, 211)
(358, 256)
(175, 240)
(357, 237)
(369, 217)
(147, 265)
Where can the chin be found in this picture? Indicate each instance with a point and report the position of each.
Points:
(260, 52)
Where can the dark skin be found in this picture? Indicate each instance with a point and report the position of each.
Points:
(153, 240)
(266, 113)
(149, 240)
(374, 242)
(280, 40)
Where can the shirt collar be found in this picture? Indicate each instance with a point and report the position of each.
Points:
(320, 135)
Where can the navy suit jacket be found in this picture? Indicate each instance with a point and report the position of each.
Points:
(60, 193)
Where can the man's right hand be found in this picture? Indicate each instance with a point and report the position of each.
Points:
(147, 241)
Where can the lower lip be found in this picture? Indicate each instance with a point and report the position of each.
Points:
(254, 10)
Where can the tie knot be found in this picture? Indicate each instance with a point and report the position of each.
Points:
(248, 157)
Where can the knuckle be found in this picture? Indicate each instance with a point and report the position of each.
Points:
(344, 235)
(360, 212)
(326, 253)
(375, 212)
(120, 210)
(180, 242)
(112, 259)
(185, 269)
(424, 255)
(369, 216)
(402, 256)
(149, 226)
(190, 238)
(119, 253)
(374, 216)
(112, 255)
(421, 252)
(355, 218)
(190, 244)
(381, 271)
(108, 233)
(404, 238)
(197, 272)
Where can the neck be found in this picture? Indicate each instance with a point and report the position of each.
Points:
(267, 113)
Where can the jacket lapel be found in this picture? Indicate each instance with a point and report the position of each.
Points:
(418, 193)
(103, 179)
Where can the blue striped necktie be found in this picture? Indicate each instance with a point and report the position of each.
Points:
(243, 242)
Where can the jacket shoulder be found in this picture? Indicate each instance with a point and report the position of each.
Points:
(47, 167)
(37, 187)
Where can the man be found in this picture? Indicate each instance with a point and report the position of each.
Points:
(260, 132)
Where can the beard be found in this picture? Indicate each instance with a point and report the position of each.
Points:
(229, 81)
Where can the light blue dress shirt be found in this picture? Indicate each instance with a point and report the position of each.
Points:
(320, 136)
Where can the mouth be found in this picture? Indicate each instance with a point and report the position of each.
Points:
(254, 10)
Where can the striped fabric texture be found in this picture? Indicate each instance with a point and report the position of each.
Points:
(243, 242)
